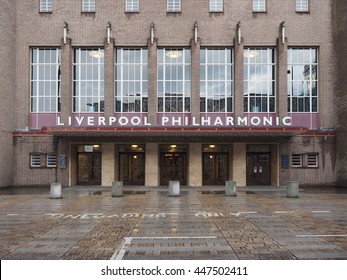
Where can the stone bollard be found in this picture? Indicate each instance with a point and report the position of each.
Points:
(117, 188)
(230, 188)
(292, 189)
(56, 190)
(174, 188)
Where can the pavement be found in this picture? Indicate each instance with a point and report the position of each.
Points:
(146, 223)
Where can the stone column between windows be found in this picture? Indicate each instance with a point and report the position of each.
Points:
(109, 81)
(195, 80)
(152, 82)
(195, 164)
(152, 165)
(282, 78)
(66, 82)
(108, 163)
(238, 79)
(239, 163)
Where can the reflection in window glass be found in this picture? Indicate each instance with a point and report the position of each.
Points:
(88, 6)
(45, 80)
(131, 80)
(302, 5)
(132, 5)
(173, 80)
(174, 6)
(302, 80)
(216, 80)
(259, 5)
(216, 5)
(88, 80)
(46, 6)
(259, 80)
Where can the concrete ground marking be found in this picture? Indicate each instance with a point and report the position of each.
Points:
(322, 235)
(120, 252)
(246, 212)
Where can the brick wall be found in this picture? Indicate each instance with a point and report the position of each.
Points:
(24, 175)
(214, 29)
(340, 60)
(7, 89)
(314, 29)
(325, 147)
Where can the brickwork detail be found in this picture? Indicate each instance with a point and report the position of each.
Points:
(24, 27)
(7, 88)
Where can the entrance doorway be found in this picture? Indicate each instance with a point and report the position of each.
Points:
(258, 169)
(132, 164)
(173, 164)
(215, 164)
(89, 168)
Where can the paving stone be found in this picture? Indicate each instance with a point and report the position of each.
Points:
(156, 226)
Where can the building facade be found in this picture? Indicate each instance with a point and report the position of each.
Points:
(200, 91)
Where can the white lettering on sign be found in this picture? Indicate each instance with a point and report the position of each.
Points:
(177, 121)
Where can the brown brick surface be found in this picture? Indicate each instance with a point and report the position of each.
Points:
(24, 26)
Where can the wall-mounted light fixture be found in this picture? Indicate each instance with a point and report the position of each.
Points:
(238, 32)
(66, 32)
(109, 34)
(152, 33)
(195, 32)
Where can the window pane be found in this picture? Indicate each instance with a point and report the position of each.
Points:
(46, 6)
(174, 76)
(89, 81)
(173, 5)
(88, 6)
(259, 5)
(131, 80)
(217, 84)
(132, 6)
(259, 79)
(45, 79)
(302, 79)
(216, 5)
(302, 5)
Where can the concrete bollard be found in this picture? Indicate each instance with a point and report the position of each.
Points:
(174, 188)
(292, 189)
(230, 188)
(56, 190)
(117, 188)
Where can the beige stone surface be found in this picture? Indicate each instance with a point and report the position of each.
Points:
(239, 164)
(152, 165)
(108, 161)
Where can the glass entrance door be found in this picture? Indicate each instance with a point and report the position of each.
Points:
(173, 168)
(89, 168)
(258, 169)
(132, 168)
(215, 168)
